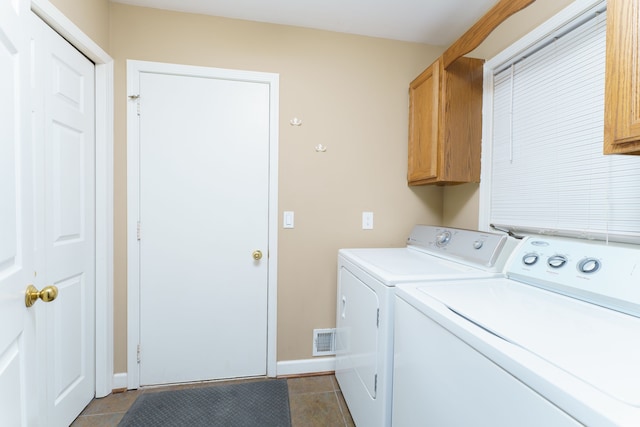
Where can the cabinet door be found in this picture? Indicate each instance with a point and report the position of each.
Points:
(423, 125)
(622, 83)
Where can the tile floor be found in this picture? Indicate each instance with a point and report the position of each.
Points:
(315, 401)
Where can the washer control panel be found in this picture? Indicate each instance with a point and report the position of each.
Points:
(597, 272)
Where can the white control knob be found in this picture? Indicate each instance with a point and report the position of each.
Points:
(589, 265)
(478, 244)
(557, 261)
(530, 258)
(443, 238)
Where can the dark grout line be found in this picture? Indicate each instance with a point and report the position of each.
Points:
(344, 420)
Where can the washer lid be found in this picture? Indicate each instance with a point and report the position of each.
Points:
(597, 345)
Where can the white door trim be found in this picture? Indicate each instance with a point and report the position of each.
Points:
(134, 68)
(104, 186)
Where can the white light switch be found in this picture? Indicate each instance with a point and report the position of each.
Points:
(367, 220)
(287, 220)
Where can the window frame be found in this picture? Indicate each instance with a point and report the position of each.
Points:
(556, 24)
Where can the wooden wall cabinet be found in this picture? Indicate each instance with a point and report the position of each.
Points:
(445, 123)
(622, 78)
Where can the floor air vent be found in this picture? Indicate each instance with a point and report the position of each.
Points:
(324, 342)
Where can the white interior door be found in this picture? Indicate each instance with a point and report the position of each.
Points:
(204, 212)
(17, 356)
(64, 146)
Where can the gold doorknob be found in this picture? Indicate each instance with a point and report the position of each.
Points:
(47, 294)
(257, 255)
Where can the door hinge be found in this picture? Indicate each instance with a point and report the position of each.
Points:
(378, 319)
(138, 354)
(137, 99)
(138, 230)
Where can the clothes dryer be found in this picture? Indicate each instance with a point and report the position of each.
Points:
(365, 304)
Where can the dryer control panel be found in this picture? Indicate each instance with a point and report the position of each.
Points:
(471, 247)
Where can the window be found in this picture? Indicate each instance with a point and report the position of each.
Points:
(543, 167)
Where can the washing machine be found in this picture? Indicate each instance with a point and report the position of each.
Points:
(556, 342)
(365, 304)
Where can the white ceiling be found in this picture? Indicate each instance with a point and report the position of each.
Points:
(437, 22)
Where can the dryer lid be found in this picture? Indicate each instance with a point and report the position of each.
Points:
(396, 265)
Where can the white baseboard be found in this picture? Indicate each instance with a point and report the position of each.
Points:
(305, 366)
(283, 368)
(120, 381)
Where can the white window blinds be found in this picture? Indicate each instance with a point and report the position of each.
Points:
(548, 173)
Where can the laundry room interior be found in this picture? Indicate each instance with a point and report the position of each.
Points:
(350, 93)
(336, 178)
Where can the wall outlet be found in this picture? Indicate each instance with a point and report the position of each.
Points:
(367, 220)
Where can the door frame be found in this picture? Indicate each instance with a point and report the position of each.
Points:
(134, 68)
(104, 74)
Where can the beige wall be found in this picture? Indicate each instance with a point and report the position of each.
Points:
(351, 93)
(91, 16)
(461, 201)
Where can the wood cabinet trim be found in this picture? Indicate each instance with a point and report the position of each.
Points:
(481, 29)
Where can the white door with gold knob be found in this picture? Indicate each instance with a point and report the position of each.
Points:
(64, 145)
(203, 200)
(47, 373)
(17, 356)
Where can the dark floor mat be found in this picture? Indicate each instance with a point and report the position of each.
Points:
(251, 404)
